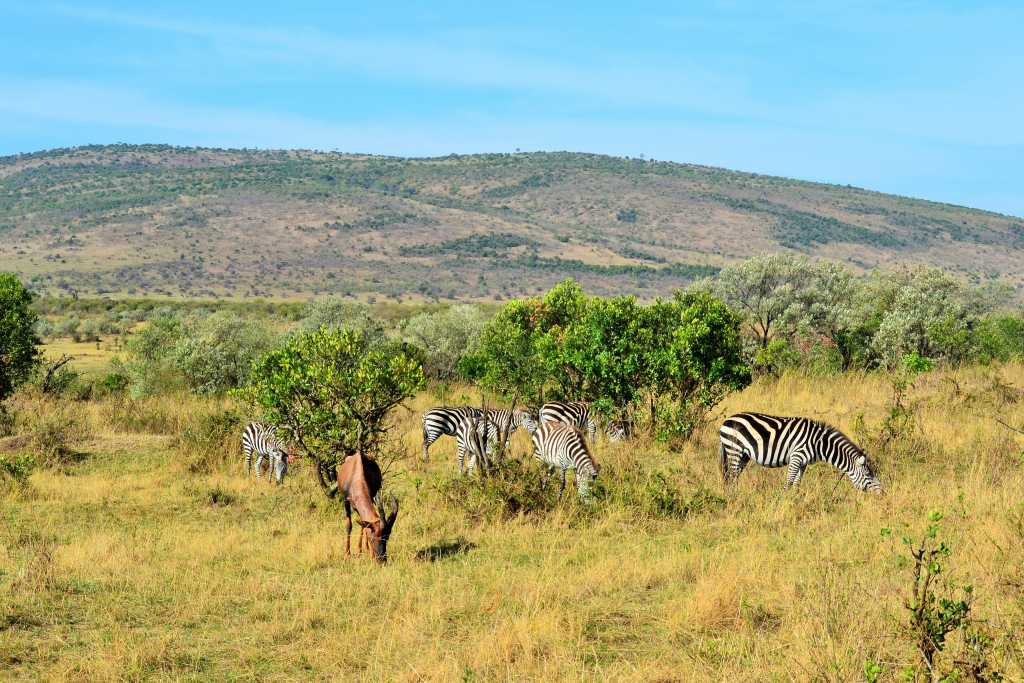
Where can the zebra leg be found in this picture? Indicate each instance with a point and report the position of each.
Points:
(796, 470)
(562, 489)
(259, 464)
(280, 467)
(732, 462)
(426, 444)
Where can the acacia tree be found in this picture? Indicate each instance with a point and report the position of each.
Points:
(333, 391)
(767, 290)
(19, 345)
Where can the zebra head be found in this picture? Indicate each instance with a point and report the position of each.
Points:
(525, 419)
(585, 477)
(863, 475)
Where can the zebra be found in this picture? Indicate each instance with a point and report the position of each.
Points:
(562, 446)
(790, 441)
(470, 437)
(573, 413)
(438, 422)
(262, 439)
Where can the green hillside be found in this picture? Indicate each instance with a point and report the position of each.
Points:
(159, 220)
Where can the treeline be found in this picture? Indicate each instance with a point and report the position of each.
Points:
(659, 363)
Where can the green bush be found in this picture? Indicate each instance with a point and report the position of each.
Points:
(15, 469)
(511, 488)
(19, 345)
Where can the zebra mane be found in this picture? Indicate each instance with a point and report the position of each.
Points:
(847, 440)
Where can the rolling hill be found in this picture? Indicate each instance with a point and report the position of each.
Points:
(160, 220)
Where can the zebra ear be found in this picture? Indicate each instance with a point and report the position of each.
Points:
(862, 460)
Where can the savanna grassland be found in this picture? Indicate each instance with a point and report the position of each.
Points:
(160, 221)
(140, 558)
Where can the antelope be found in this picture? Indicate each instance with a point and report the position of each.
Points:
(359, 479)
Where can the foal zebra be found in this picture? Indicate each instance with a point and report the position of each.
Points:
(790, 441)
(262, 440)
(562, 446)
(573, 413)
(438, 422)
(470, 437)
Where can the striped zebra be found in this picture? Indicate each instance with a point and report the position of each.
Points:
(562, 446)
(790, 441)
(438, 422)
(262, 439)
(573, 413)
(470, 437)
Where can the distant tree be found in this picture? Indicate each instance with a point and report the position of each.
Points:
(928, 312)
(217, 351)
(627, 215)
(445, 337)
(19, 345)
(339, 313)
(767, 290)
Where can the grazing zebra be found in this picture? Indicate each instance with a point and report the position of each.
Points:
(573, 413)
(790, 441)
(438, 422)
(562, 446)
(262, 439)
(472, 440)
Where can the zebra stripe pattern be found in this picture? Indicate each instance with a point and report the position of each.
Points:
(793, 442)
(573, 413)
(471, 441)
(262, 439)
(438, 422)
(562, 446)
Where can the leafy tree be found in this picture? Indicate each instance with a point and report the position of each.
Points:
(445, 337)
(1000, 337)
(612, 352)
(217, 351)
(19, 345)
(339, 313)
(927, 312)
(150, 365)
(767, 289)
(695, 360)
(333, 390)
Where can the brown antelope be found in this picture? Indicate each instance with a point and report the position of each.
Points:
(359, 480)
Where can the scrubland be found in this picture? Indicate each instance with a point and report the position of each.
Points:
(137, 557)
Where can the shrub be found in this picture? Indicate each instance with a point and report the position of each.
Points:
(216, 352)
(445, 337)
(19, 345)
(15, 469)
(510, 489)
(54, 430)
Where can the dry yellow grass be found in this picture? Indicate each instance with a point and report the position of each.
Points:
(121, 568)
(90, 358)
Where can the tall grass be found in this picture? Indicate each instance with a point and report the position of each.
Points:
(131, 564)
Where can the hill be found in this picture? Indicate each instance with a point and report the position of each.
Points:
(153, 219)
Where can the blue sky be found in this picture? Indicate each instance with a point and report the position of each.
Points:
(922, 99)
